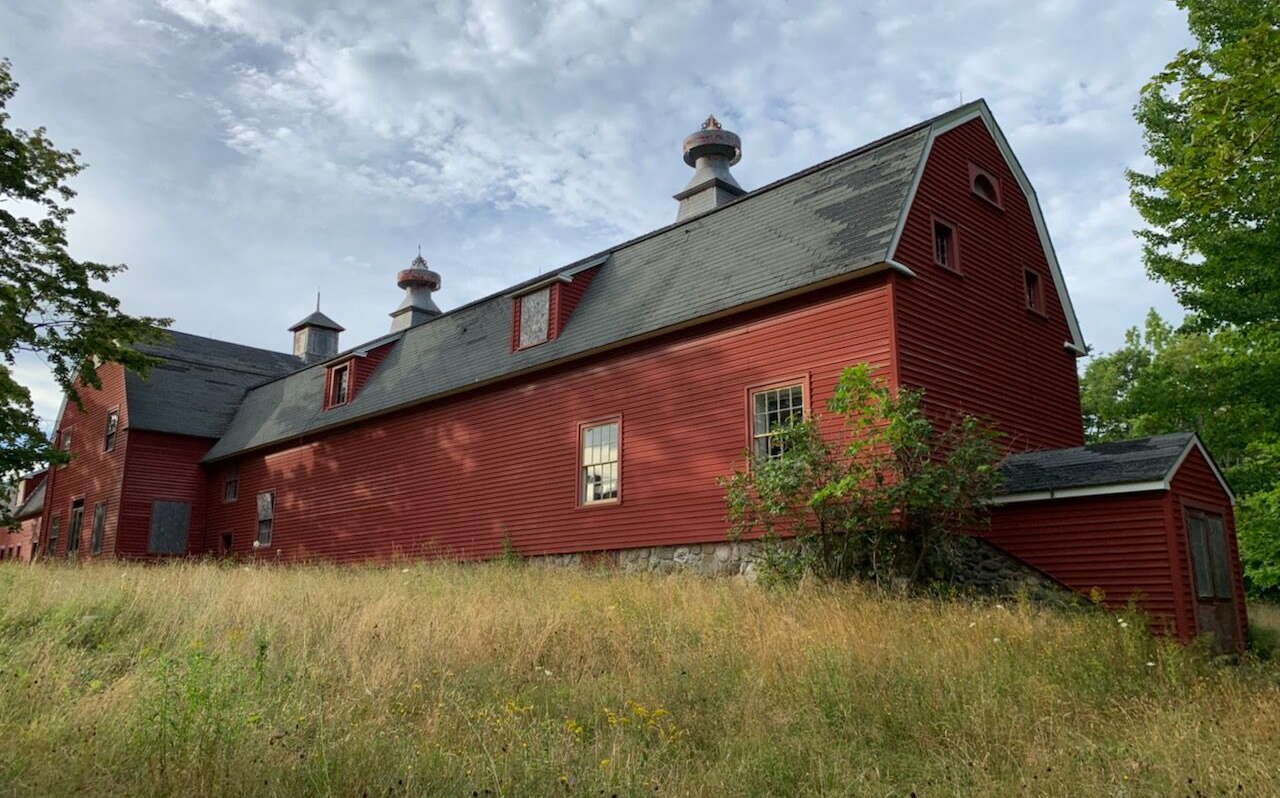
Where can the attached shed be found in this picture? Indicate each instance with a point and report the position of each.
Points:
(1146, 520)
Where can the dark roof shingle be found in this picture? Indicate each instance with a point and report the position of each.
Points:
(200, 383)
(1095, 465)
(826, 222)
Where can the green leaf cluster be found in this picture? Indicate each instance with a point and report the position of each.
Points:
(1211, 121)
(50, 303)
(884, 501)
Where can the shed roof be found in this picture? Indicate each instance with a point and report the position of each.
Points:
(200, 382)
(1112, 467)
(827, 222)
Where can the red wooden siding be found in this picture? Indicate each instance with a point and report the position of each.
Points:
(968, 338)
(1116, 543)
(1195, 485)
(93, 474)
(365, 366)
(456, 476)
(163, 467)
(566, 296)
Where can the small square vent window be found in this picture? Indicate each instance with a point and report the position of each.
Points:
(535, 317)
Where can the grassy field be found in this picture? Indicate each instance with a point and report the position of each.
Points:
(501, 680)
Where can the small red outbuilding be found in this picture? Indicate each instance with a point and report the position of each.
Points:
(1148, 521)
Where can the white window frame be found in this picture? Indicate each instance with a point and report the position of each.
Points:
(754, 435)
(591, 457)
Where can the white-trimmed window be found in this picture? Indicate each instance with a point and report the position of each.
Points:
(772, 409)
(600, 472)
(535, 317)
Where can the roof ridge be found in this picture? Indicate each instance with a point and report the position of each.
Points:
(275, 352)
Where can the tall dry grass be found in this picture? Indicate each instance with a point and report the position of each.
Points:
(496, 680)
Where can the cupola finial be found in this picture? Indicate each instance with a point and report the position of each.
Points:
(710, 151)
(418, 281)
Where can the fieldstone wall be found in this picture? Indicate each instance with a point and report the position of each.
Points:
(980, 566)
(705, 559)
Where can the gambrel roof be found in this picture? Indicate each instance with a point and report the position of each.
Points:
(834, 221)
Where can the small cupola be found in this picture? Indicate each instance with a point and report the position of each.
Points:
(710, 151)
(418, 281)
(315, 338)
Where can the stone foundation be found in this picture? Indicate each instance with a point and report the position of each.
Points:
(705, 559)
(982, 567)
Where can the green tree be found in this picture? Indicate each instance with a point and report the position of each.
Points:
(888, 502)
(1211, 122)
(49, 302)
(1223, 385)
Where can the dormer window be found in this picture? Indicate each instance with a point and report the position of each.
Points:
(339, 385)
(541, 311)
(984, 185)
(535, 317)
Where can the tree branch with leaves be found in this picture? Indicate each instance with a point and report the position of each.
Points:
(50, 303)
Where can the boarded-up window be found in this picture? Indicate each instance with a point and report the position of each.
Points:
(99, 527)
(266, 517)
(170, 525)
(535, 317)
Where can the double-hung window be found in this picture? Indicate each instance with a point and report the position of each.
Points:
(600, 462)
(772, 409)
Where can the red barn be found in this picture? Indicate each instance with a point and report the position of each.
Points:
(592, 408)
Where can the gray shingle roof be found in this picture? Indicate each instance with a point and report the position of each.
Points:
(826, 222)
(33, 504)
(1116, 463)
(199, 384)
(318, 319)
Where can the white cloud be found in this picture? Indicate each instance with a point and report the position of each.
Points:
(246, 152)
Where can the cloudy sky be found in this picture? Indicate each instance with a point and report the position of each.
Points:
(246, 153)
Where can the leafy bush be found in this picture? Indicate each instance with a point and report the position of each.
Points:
(886, 503)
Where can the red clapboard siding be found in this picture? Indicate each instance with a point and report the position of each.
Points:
(1116, 543)
(455, 477)
(365, 366)
(567, 296)
(93, 474)
(162, 467)
(1195, 485)
(968, 339)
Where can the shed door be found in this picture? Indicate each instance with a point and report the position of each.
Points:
(1211, 564)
